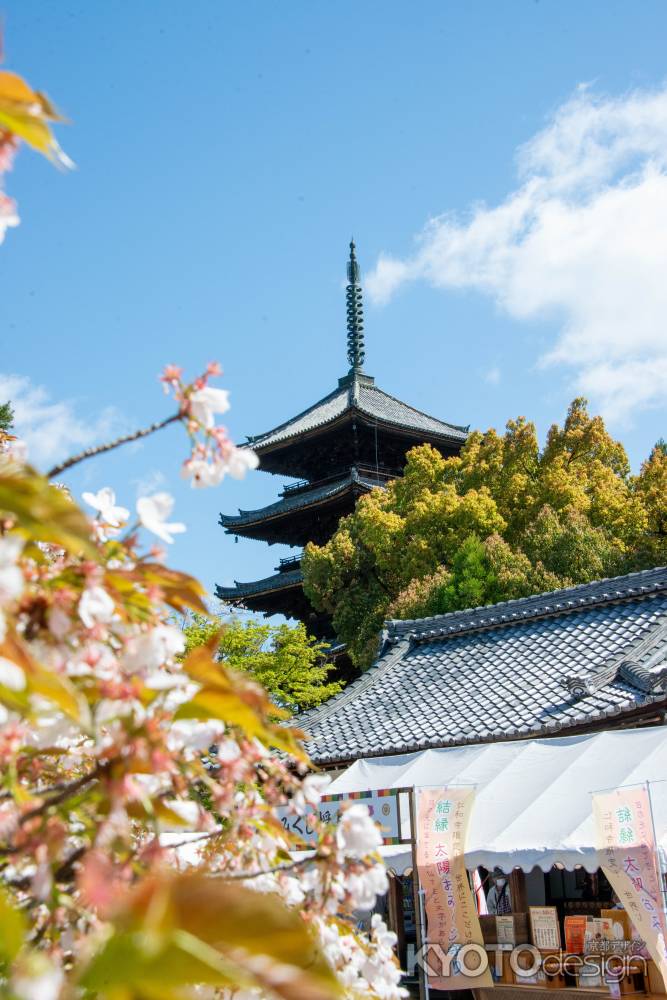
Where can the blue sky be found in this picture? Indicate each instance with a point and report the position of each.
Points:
(226, 153)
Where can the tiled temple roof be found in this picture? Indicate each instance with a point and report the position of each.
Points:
(277, 581)
(296, 501)
(358, 393)
(531, 667)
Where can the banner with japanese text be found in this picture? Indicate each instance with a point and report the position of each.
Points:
(628, 857)
(384, 806)
(443, 815)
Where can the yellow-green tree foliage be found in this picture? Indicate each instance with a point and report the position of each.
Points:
(290, 664)
(503, 519)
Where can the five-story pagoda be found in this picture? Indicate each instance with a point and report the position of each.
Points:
(353, 440)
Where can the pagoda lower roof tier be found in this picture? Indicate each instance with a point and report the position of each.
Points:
(358, 419)
(279, 594)
(304, 513)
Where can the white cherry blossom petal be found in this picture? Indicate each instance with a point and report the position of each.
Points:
(357, 835)
(240, 461)
(104, 502)
(153, 512)
(96, 607)
(11, 675)
(206, 402)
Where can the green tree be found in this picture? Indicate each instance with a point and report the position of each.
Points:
(651, 486)
(6, 417)
(501, 520)
(291, 665)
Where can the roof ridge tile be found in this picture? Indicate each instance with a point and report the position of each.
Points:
(464, 428)
(533, 606)
(338, 391)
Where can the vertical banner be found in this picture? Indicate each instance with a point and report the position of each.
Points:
(628, 857)
(451, 916)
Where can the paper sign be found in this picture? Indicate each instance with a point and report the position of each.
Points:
(544, 929)
(451, 914)
(575, 934)
(505, 930)
(627, 851)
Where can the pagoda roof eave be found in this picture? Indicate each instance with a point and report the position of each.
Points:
(347, 418)
(315, 497)
(270, 584)
(357, 397)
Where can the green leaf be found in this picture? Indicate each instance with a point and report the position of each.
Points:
(12, 929)
(212, 932)
(45, 513)
(235, 700)
(181, 591)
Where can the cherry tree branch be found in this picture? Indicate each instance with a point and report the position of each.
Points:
(65, 791)
(63, 874)
(243, 876)
(101, 448)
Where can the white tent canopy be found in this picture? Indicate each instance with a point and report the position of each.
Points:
(533, 797)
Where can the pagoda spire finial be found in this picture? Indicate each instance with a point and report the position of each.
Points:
(355, 314)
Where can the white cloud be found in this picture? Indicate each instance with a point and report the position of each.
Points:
(493, 376)
(582, 240)
(52, 430)
(150, 483)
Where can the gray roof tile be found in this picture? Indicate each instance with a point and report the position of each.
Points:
(359, 394)
(456, 678)
(295, 501)
(278, 581)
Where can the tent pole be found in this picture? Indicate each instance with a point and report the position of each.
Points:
(422, 924)
(420, 920)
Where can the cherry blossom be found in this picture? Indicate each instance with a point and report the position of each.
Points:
(206, 402)
(312, 789)
(11, 577)
(240, 461)
(8, 146)
(158, 765)
(153, 513)
(357, 835)
(38, 980)
(9, 216)
(96, 606)
(11, 675)
(171, 374)
(104, 501)
(13, 448)
(154, 648)
(204, 473)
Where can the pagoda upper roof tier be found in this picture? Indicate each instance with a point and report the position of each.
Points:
(356, 401)
(303, 509)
